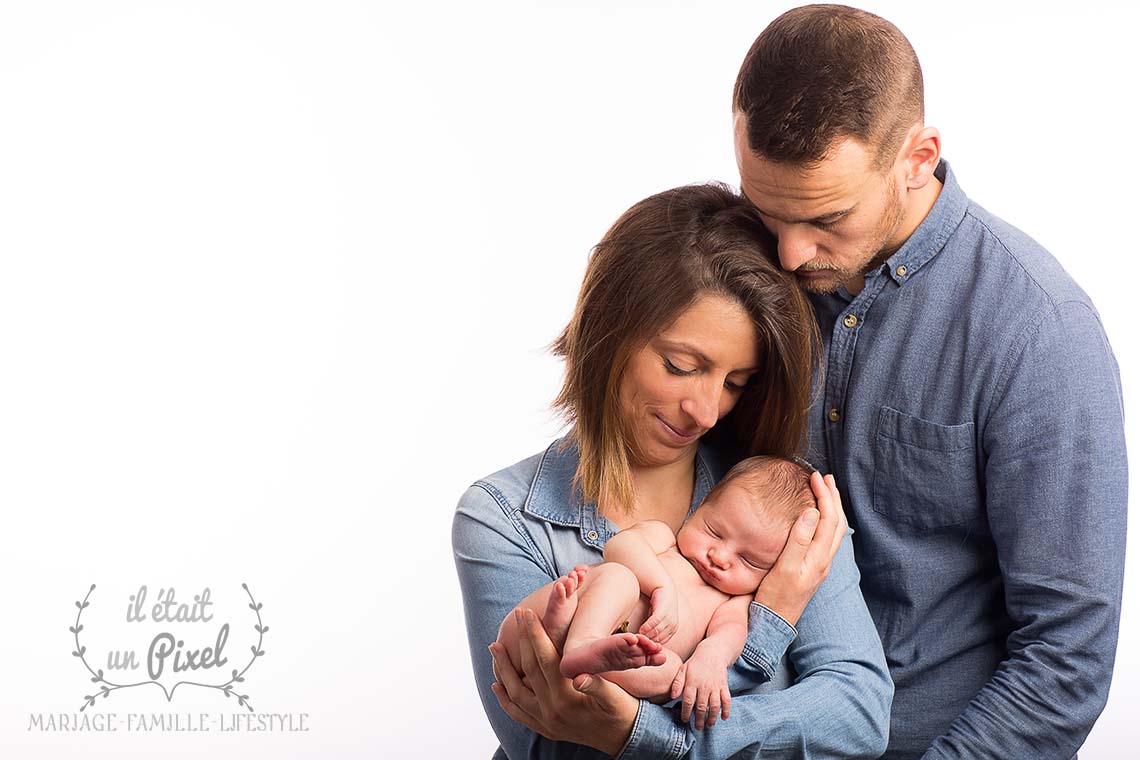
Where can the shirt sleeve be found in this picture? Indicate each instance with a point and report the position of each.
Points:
(839, 705)
(498, 566)
(1056, 498)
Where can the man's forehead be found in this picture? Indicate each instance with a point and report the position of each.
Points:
(806, 191)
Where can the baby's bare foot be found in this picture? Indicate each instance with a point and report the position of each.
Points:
(622, 651)
(560, 607)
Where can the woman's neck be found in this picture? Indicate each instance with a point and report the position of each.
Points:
(661, 492)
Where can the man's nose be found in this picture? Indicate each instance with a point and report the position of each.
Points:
(795, 246)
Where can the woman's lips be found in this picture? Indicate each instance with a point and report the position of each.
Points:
(680, 436)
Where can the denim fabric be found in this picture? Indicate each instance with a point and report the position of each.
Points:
(524, 526)
(970, 409)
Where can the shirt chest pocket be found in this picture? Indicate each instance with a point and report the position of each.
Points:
(925, 473)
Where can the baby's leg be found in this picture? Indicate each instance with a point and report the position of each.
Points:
(555, 602)
(605, 601)
(649, 683)
(562, 605)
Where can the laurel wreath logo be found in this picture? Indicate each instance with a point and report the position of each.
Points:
(227, 688)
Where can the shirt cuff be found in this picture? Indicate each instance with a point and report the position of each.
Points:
(769, 637)
(654, 735)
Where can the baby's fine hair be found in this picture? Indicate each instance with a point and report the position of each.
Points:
(779, 485)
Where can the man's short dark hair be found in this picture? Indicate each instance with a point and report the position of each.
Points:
(821, 73)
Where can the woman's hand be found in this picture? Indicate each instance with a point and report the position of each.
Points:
(588, 710)
(806, 559)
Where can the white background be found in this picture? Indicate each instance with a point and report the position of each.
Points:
(276, 281)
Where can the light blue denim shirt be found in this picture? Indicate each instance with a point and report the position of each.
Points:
(971, 412)
(524, 526)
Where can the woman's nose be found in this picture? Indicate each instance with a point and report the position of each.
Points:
(703, 405)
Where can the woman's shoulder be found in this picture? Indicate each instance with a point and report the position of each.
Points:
(511, 486)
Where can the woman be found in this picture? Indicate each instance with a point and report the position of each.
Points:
(682, 320)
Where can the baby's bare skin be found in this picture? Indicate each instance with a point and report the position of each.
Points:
(622, 657)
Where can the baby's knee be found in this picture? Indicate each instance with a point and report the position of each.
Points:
(616, 578)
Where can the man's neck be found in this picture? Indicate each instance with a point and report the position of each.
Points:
(919, 203)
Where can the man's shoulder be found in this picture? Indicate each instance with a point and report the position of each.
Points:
(1008, 257)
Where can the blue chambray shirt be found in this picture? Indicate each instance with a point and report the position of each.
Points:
(524, 526)
(970, 409)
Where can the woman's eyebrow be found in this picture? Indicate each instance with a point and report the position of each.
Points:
(689, 348)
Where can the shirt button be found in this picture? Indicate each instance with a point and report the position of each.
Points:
(592, 535)
(901, 271)
(833, 415)
(850, 320)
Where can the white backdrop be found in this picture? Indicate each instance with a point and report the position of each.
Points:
(276, 280)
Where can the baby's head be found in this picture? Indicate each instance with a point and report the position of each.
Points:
(735, 535)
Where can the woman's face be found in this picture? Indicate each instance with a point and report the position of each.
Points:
(685, 379)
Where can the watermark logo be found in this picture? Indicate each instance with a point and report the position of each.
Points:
(168, 656)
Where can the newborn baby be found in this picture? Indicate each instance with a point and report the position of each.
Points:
(690, 591)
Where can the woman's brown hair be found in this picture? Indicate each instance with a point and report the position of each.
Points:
(656, 261)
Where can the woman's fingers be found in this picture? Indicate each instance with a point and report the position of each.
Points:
(832, 524)
(540, 660)
(510, 685)
(512, 709)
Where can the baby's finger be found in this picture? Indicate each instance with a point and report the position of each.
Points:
(678, 683)
(701, 710)
(688, 701)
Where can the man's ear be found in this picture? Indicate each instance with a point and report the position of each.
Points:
(921, 151)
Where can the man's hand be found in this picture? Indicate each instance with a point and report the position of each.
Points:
(588, 710)
(806, 559)
(702, 684)
(662, 622)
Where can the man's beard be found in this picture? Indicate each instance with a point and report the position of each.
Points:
(879, 250)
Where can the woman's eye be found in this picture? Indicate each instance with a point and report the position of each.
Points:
(734, 386)
(673, 369)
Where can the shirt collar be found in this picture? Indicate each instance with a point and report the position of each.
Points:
(930, 237)
(554, 498)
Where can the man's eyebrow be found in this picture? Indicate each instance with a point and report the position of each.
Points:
(829, 218)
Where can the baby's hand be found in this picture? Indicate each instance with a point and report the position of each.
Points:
(702, 684)
(662, 622)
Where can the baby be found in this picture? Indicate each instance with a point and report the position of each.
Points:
(690, 591)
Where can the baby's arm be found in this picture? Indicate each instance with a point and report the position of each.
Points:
(702, 682)
(637, 548)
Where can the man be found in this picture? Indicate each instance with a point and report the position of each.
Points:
(969, 404)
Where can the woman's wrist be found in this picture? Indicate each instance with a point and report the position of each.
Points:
(789, 606)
